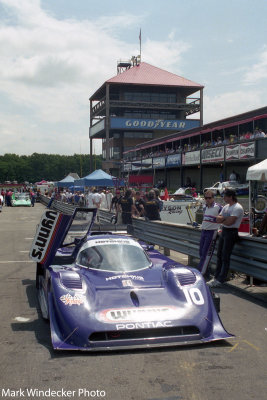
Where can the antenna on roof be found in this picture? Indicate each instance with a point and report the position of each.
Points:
(124, 65)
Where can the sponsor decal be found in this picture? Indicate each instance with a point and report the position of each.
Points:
(127, 282)
(139, 314)
(70, 300)
(144, 325)
(213, 154)
(172, 209)
(113, 241)
(133, 277)
(44, 235)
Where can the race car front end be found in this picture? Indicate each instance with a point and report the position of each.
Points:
(176, 308)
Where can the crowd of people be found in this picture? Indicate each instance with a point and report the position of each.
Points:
(206, 143)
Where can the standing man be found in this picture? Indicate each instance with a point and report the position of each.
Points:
(230, 217)
(139, 204)
(96, 198)
(152, 207)
(114, 201)
(1, 201)
(208, 233)
(127, 207)
(33, 197)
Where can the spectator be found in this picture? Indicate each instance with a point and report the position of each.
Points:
(8, 198)
(89, 199)
(152, 207)
(157, 196)
(115, 200)
(230, 217)
(103, 199)
(208, 233)
(139, 204)
(1, 201)
(33, 197)
(96, 198)
(232, 176)
(127, 208)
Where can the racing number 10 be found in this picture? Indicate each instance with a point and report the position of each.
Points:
(193, 295)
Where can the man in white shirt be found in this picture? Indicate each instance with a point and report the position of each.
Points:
(230, 217)
(1, 202)
(96, 198)
(209, 227)
(232, 176)
(89, 199)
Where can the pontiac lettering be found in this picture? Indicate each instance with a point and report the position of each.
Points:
(144, 325)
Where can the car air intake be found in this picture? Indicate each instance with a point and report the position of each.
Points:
(71, 281)
(143, 333)
(186, 278)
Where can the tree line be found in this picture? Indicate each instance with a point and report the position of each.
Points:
(51, 167)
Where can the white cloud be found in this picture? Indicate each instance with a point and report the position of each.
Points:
(258, 71)
(50, 67)
(230, 104)
(165, 54)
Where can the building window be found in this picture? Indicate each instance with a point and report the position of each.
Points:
(116, 153)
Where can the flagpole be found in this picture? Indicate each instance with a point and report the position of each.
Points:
(140, 42)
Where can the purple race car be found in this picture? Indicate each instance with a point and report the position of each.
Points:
(104, 291)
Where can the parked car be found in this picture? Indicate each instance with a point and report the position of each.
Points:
(21, 200)
(219, 187)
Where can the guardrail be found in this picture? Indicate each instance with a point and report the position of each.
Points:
(249, 255)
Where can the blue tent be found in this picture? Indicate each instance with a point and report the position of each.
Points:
(97, 178)
(66, 182)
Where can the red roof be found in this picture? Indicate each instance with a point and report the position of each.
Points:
(146, 74)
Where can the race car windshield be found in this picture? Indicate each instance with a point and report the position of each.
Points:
(115, 258)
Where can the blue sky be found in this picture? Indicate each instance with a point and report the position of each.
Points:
(56, 53)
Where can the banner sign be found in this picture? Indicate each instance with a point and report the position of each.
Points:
(191, 157)
(214, 154)
(232, 152)
(246, 150)
(153, 124)
(240, 151)
(173, 160)
(147, 163)
(159, 162)
(136, 166)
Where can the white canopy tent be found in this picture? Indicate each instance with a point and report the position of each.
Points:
(258, 172)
